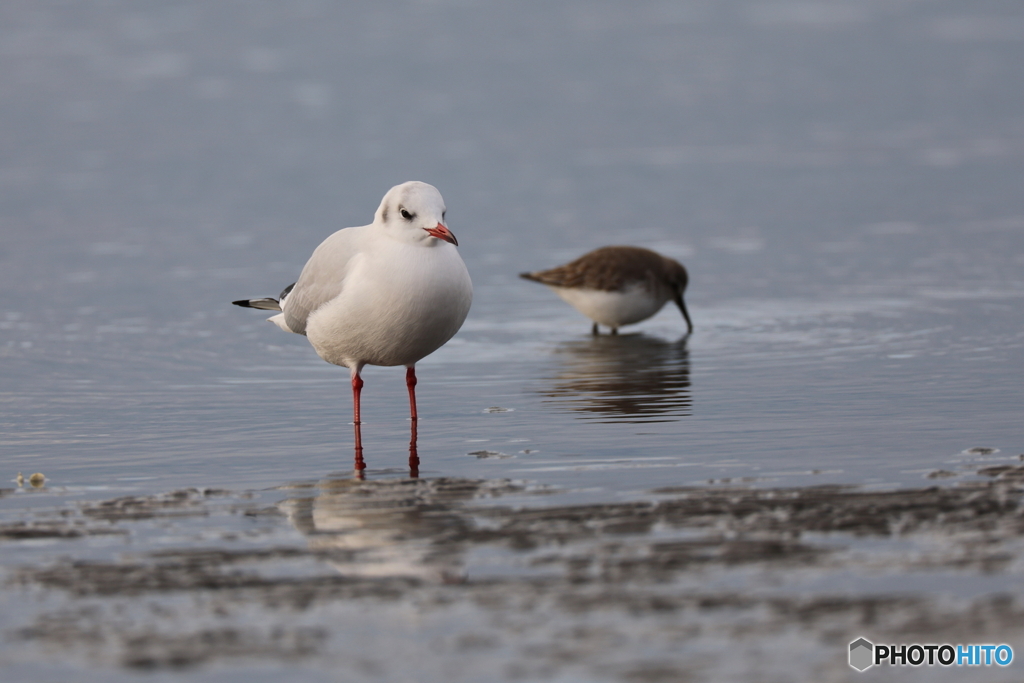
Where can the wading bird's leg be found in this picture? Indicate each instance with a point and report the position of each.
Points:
(593, 330)
(357, 386)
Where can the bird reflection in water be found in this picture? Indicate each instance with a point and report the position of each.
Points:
(623, 378)
(412, 528)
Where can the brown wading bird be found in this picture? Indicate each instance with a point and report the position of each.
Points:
(616, 286)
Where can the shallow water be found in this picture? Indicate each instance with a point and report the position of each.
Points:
(841, 180)
(468, 581)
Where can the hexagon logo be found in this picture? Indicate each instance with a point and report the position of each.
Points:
(861, 654)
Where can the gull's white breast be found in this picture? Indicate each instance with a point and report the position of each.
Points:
(398, 303)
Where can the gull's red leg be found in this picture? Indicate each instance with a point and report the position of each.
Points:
(410, 381)
(357, 386)
(414, 457)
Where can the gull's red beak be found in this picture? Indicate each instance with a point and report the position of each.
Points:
(442, 233)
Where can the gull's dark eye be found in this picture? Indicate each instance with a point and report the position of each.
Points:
(443, 213)
(406, 214)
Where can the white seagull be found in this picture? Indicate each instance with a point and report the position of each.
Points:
(615, 286)
(388, 293)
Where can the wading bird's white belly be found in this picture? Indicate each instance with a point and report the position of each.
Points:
(613, 309)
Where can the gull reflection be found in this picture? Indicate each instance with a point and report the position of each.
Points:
(624, 378)
(412, 528)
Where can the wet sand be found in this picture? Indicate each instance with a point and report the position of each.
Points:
(473, 580)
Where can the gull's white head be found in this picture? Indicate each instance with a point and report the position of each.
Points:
(414, 212)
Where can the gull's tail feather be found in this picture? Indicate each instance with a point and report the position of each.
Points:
(262, 304)
(267, 304)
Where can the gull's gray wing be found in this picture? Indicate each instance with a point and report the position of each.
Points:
(322, 278)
